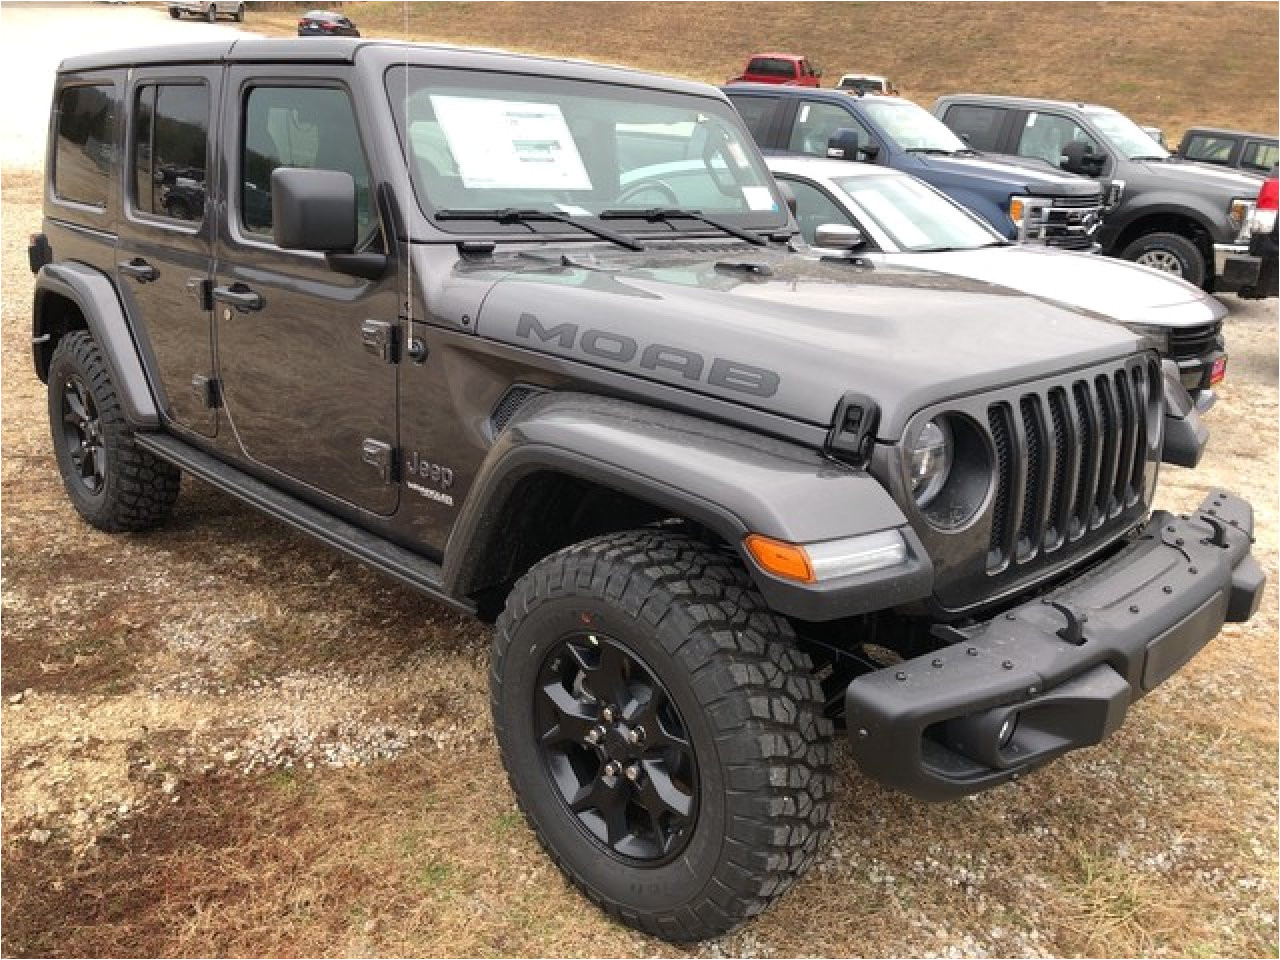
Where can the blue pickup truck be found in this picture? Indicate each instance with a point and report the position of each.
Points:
(1027, 201)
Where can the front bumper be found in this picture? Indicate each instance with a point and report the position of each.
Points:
(1234, 267)
(1057, 673)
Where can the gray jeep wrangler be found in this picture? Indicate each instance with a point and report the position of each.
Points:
(531, 336)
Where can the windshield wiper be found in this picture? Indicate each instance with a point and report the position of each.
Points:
(512, 215)
(1141, 159)
(939, 151)
(663, 214)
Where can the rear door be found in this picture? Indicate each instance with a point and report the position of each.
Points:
(306, 388)
(165, 254)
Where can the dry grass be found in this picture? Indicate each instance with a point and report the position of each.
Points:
(1170, 64)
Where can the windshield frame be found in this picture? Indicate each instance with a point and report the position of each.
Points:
(1150, 150)
(401, 76)
(886, 238)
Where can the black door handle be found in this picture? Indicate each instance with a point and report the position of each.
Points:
(239, 296)
(139, 269)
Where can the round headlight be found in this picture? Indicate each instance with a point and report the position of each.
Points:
(931, 452)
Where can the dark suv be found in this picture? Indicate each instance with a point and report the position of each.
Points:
(1029, 204)
(1254, 153)
(1190, 219)
(530, 336)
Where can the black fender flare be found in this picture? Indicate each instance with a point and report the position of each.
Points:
(729, 480)
(1198, 211)
(95, 295)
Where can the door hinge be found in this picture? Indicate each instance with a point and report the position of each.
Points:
(208, 391)
(381, 456)
(379, 338)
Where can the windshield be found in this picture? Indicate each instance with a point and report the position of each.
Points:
(912, 127)
(915, 217)
(1124, 135)
(863, 84)
(489, 141)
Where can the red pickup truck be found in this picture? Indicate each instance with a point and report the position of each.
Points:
(787, 68)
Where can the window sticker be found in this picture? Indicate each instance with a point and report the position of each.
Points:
(804, 113)
(1031, 119)
(758, 198)
(510, 144)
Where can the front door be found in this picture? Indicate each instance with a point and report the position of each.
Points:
(165, 252)
(304, 392)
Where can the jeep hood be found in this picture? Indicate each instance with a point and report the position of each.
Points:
(789, 334)
(1125, 292)
(1036, 180)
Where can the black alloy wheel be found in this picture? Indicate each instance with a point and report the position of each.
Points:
(616, 749)
(82, 432)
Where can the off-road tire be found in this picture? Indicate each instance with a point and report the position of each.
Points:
(1170, 247)
(138, 490)
(749, 701)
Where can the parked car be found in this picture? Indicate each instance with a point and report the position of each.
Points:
(1028, 203)
(1254, 153)
(1263, 244)
(867, 83)
(781, 68)
(209, 10)
(670, 459)
(1190, 219)
(903, 221)
(326, 23)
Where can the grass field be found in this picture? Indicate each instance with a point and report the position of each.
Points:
(1168, 64)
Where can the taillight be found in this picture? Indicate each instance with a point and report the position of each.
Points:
(1264, 213)
(1269, 195)
(302, 23)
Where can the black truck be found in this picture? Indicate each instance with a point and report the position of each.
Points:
(531, 337)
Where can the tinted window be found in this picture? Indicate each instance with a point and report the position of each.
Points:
(814, 208)
(771, 67)
(816, 123)
(310, 127)
(85, 149)
(1209, 149)
(757, 114)
(170, 138)
(977, 126)
(1259, 155)
(1044, 135)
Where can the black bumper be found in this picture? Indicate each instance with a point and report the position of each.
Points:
(1059, 672)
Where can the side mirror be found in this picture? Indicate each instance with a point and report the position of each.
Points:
(788, 196)
(313, 209)
(839, 236)
(844, 144)
(1078, 157)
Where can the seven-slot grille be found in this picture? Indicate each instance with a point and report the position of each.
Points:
(1191, 342)
(1069, 458)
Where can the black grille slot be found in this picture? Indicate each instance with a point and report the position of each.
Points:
(509, 405)
(1190, 342)
(1069, 458)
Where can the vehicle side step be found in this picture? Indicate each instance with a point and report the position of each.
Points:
(404, 565)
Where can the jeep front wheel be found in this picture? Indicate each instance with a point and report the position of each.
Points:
(1170, 252)
(113, 484)
(662, 731)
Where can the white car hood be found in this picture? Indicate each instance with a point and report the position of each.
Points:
(1118, 289)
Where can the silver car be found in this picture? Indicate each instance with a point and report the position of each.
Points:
(873, 214)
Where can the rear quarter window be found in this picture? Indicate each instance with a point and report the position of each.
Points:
(85, 151)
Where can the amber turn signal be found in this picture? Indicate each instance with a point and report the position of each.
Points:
(781, 559)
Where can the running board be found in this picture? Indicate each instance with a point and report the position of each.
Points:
(404, 565)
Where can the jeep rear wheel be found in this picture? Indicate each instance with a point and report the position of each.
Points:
(662, 731)
(114, 485)
(1170, 252)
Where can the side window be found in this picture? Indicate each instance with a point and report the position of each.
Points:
(816, 123)
(1260, 156)
(757, 114)
(85, 150)
(298, 127)
(170, 150)
(814, 208)
(1045, 134)
(1208, 149)
(978, 126)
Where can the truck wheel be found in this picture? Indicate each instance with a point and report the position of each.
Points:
(1170, 252)
(662, 731)
(114, 485)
